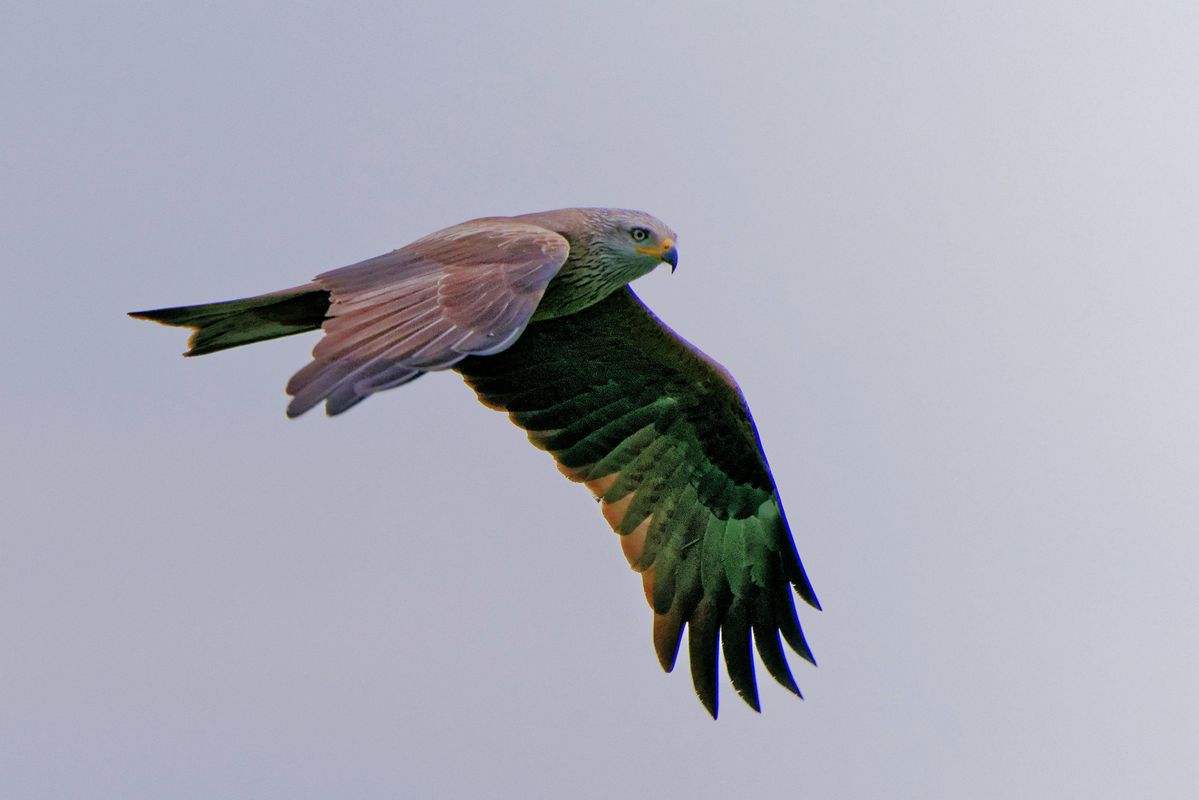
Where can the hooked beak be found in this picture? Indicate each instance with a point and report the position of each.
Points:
(664, 252)
(670, 255)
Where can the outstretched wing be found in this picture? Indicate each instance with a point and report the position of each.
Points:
(662, 435)
(469, 289)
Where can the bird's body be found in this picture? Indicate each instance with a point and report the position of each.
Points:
(535, 313)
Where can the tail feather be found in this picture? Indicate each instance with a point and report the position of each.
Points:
(219, 326)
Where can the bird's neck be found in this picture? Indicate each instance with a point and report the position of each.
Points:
(586, 278)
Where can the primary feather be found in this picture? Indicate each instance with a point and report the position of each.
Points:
(663, 437)
(534, 311)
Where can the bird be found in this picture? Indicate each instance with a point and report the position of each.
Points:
(536, 313)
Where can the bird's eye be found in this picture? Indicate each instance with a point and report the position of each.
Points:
(639, 234)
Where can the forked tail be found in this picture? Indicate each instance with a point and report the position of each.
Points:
(219, 326)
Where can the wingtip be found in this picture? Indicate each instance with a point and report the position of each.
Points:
(805, 652)
(797, 576)
(294, 409)
(750, 696)
(668, 636)
(703, 651)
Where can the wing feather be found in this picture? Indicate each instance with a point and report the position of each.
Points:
(662, 436)
(466, 290)
(739, 653)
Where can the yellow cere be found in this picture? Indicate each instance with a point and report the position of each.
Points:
(659, 250)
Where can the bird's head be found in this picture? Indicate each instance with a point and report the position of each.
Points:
(638, 238)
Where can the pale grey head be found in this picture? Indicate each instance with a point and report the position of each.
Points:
(609, 247)
(633, 235)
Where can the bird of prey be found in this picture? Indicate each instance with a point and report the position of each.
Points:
(535, 312)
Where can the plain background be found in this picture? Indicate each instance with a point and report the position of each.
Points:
(949, 250)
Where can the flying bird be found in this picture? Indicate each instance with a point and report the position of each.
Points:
(535, 312)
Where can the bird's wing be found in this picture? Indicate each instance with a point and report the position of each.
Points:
(469, 289)
(662, 435)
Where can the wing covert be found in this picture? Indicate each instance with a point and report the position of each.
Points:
(661, 434)
(469, 289)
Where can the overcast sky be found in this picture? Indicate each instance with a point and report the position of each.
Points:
(950, 254)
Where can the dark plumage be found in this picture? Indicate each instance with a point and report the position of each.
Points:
(535, 313)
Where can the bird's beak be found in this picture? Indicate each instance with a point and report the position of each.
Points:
(669, 254)
(665, 252)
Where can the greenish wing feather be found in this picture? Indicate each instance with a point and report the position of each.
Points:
(661, 434)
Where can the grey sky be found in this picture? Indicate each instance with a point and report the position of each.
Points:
(949, 252)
